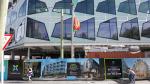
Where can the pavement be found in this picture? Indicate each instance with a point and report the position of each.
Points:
(78, 82)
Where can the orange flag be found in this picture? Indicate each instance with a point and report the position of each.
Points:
(76, 24)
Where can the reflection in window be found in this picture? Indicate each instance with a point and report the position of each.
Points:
(22, 11)
(20, 32)
(107, 6)
(13, 17)
(128, 6)
(87, 30)
(12, 31)
(36, 29)
(86, 6)
(130, 29)
(145, 7)
(36, 6)
(146, 29)
(65, 4)
(108, 29)
(67, 29)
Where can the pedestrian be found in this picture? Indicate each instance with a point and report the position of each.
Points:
(131, 76)
(29, 74)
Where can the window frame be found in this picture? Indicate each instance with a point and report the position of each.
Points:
(87, 37)
(109, 29)
(35, 7)
(32, 21)
(129, 3)
(143, 29)
(129, 21)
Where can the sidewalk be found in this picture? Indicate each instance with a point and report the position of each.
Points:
(77, 82)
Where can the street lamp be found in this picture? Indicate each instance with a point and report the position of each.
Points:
(62, 5)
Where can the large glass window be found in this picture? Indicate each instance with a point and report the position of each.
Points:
(12, 31)
(86, 6)
(65, 5)
(87, 30)
(108, 29)
(128, 6)
(36, 29)
(145, 7)
(67, 29)
(36, 6)
(20, 31)
(13, 17)
(146, 29)
(22, 11)
(107, 6)
(130, 29)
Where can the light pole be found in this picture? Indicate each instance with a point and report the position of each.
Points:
(62, 34)
(3, 16)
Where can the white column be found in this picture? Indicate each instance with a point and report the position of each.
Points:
(3, 15)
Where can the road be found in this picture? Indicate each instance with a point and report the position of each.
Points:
(77, 82)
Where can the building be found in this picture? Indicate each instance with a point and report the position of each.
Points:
(106, 25)
(54, 69)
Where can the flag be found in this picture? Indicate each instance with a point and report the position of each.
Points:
(76, 24)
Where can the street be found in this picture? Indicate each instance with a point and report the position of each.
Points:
(77, 82)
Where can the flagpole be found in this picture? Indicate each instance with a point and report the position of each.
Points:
(3, 16)
(72, 32)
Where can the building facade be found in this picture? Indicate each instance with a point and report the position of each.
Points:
(36, 26)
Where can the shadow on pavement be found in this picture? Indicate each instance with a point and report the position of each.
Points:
(122, 81)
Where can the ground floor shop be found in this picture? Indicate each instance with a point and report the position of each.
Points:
(77, 69)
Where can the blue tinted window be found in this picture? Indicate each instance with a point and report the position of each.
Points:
(130, 29)
(146, 29)
(86, 6)
(107, 6)
(108, 29)
(65, 5)
(87, 29)
(128, 6)
(36, 29)
(13, 17)
(22, 11)
(36, 6)
(145, 7)
(67, 29)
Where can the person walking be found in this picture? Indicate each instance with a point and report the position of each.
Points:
(29, 74)
(131, 76)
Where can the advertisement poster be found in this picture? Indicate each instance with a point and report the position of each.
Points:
(59, 69)
(73, 69)
(113, 68)
(141, 67)
(15, 69)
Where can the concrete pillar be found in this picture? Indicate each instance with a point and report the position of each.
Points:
(28, 53)
(12, 55)
(20, 57)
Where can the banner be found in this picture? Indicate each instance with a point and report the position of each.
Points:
(73, 69)
(113, 68)
(64, 69)
(15, 69)
(141, 66)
